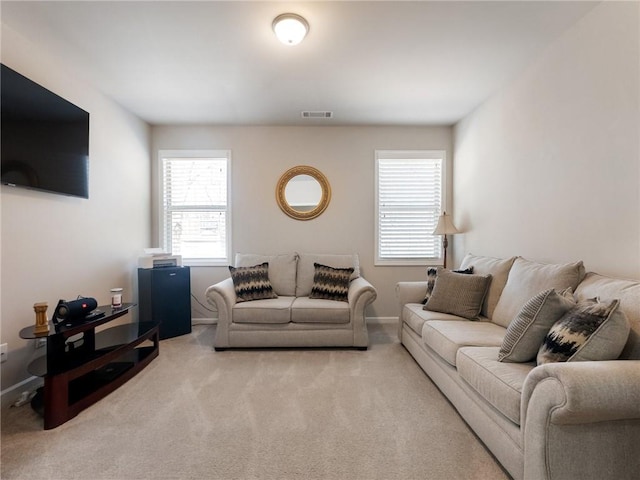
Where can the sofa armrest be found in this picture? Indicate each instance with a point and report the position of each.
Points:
(222, 296)
(589, 411)
(361, 293)
(360, 290)
(584, 392)
(410, 292)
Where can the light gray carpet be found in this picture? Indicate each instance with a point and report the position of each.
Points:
(194, 413)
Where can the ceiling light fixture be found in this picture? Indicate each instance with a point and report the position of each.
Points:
(290, 28)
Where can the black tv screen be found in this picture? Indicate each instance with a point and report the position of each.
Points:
(44, 138)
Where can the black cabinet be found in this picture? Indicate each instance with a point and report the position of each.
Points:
(164, 296)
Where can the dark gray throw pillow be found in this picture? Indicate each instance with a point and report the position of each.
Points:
(330, 283)
(458, 294)
(252, 283)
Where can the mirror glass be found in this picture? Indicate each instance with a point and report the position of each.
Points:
(303, 192)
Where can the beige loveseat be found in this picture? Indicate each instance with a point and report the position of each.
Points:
(560, 420)
(293, 319)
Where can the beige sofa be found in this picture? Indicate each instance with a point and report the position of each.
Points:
(563, 420)
(292, 319)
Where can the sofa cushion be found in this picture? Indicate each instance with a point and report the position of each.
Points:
(330, 283)
(252, 283)
(275, 310)
(589, 331)
(458, 293)
(498, 383)
(527, 278)
(628, 292)
(306, 270)
(445, 337)
(310, 310)
(282, 270)
(414, 315)
(498, 269)
(526, 332)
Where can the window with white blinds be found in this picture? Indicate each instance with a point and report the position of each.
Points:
(409, 198)
(194, 205)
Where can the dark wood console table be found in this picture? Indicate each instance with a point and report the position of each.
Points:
(81, 370)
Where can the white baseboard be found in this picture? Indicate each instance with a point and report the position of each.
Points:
(382, 319)
(11, 394)
(204, 321)
(214, 321)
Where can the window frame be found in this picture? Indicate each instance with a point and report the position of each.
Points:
(192, 261)
(407, 154)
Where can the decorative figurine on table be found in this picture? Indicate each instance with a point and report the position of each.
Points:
(42, 324)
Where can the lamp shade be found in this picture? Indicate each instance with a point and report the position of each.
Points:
(445, 226)
(290, 28)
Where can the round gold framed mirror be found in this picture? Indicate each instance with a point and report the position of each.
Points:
(303, 192)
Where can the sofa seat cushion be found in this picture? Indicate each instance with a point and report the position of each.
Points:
(446, 337)
(498, 383)
(414, 315)
(313, 310)
(273, 310)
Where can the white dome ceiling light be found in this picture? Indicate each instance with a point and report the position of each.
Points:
(290, 28)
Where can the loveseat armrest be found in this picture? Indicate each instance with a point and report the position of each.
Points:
(360, 290)
(222, 296)
(585, 411)
(361, 293)
(410, 292)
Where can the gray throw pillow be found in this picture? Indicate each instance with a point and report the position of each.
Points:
(252, 283)
(590, 331)
(432, 273)
(526, 332)
(330, 283)
(458, 294)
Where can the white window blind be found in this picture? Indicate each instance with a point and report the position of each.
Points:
(409, 195)
(195, 214)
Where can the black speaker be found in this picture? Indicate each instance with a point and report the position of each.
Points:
(74, 310)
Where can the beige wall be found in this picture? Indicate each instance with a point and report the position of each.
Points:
(549, 168)
(344, 154)
(59, 247)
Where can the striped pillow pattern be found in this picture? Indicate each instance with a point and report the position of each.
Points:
(252, 283)
(330, 283)
(526, 332)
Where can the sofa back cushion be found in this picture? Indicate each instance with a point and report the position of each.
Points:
(282, 270)
(306, 269)
(628, 292)
(527, 278)
(498, 268)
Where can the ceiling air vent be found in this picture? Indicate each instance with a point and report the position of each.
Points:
(317, 114)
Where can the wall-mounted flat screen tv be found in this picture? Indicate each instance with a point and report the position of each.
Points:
(44, 142)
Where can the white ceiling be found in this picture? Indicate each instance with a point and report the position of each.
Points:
(381, 62)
